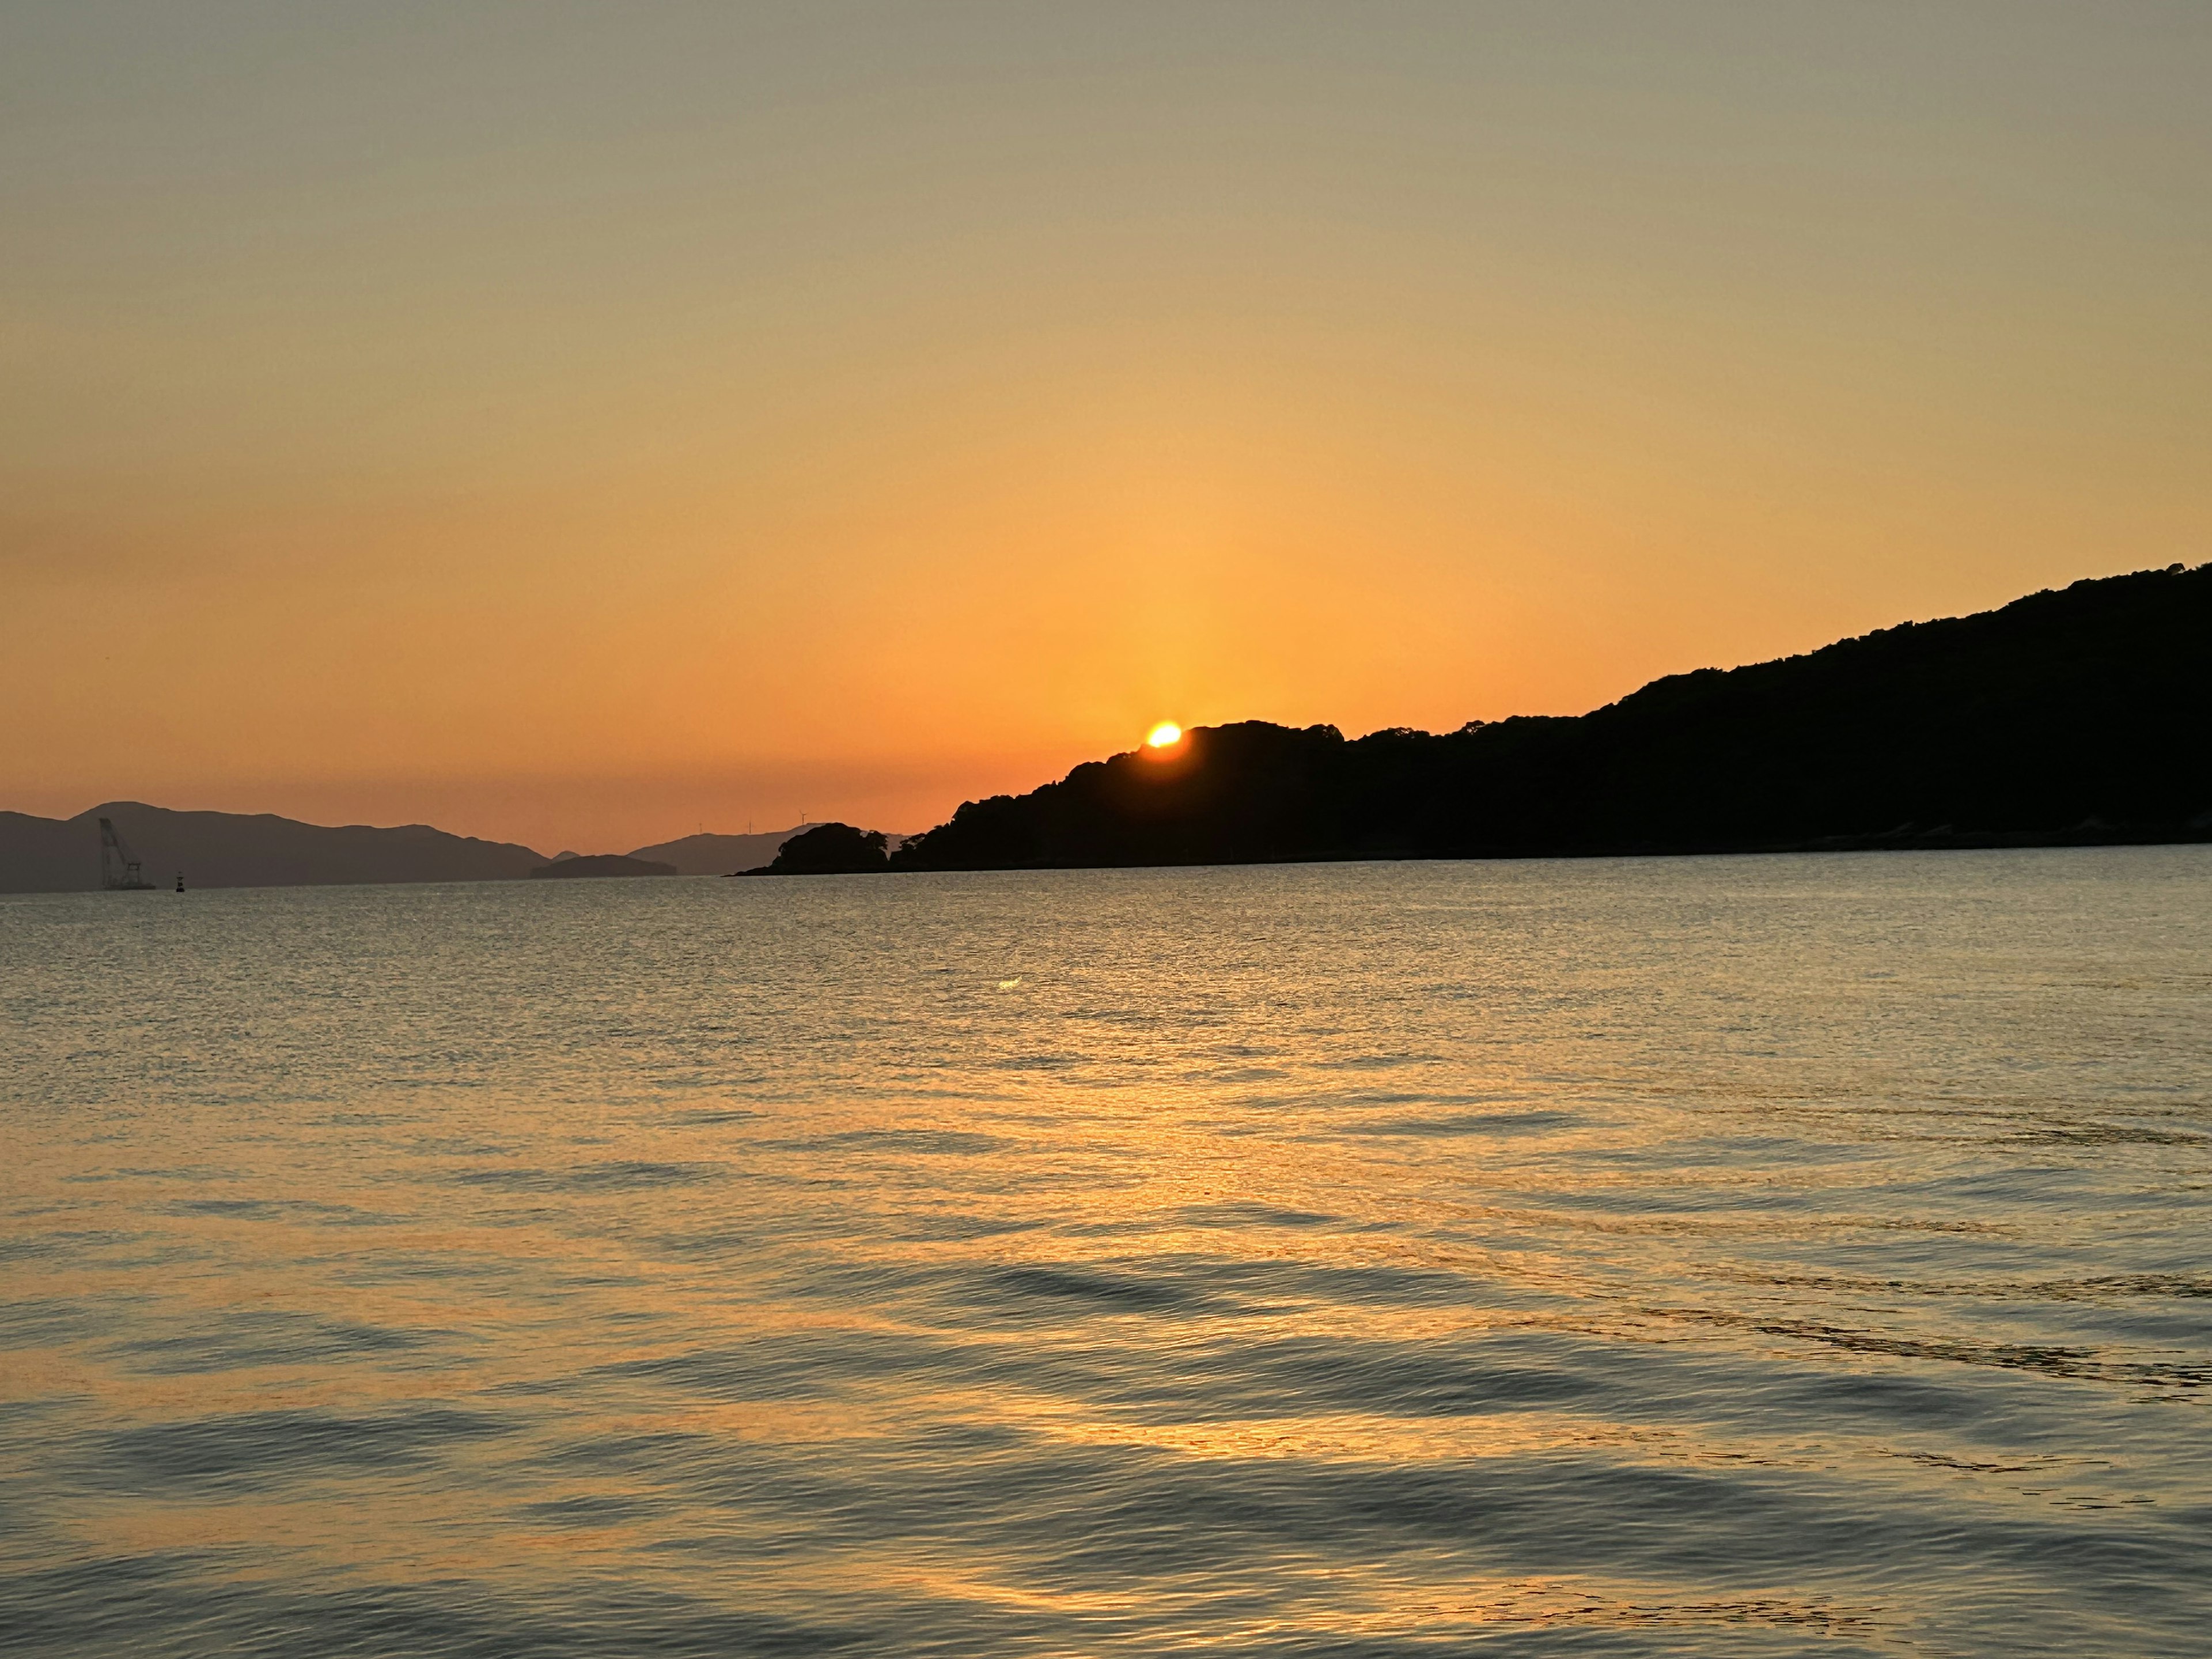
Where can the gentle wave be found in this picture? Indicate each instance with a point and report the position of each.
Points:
(1752, 1256)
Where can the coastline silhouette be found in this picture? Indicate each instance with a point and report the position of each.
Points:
(2079, 716)
(2075, 717)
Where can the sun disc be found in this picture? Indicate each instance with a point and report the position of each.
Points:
(1166, 735)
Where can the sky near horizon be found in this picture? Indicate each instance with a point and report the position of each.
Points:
(582, 424)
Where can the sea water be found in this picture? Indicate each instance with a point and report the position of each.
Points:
(1713, 1256)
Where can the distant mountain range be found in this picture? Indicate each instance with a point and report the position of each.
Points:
(232, 849)
(2079, 716)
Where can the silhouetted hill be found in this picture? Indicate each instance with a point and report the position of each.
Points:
(829, 849)
(720, 855)
(603, 863)
(2079, 715)
(231, 849)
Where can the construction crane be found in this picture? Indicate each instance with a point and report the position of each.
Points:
(118, 871)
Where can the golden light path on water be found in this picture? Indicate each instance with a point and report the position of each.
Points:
(1736, 1257)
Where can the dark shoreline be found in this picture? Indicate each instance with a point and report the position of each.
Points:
(1931, 841)
(2081, 717)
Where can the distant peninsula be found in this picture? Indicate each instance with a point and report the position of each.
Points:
(603, 863)
(2076, 717)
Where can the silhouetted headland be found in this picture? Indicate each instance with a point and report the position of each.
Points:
(2073, 717)
(603, 863)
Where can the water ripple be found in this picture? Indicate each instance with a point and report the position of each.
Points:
(1737, 1257)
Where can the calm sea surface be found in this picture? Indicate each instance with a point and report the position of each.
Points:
(1742, 1256)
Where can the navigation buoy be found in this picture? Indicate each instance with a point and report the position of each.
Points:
(180, 881)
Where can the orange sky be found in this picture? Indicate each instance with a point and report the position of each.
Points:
(578, 424)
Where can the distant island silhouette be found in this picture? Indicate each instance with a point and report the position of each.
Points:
(602, 864)
(829, 849)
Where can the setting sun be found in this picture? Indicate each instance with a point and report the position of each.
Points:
(1166, 735)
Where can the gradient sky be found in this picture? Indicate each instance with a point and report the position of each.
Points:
(581, 424)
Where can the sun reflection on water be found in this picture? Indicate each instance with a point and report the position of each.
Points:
(1055, 1262)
